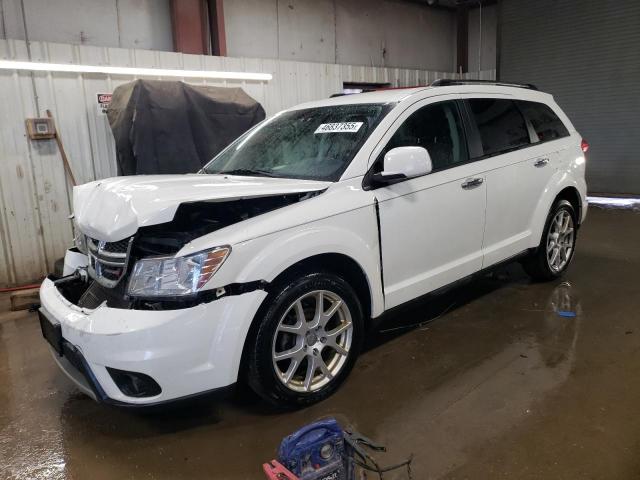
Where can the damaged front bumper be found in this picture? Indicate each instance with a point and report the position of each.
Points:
(184, 351)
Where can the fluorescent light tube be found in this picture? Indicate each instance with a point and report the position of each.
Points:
(150, 72)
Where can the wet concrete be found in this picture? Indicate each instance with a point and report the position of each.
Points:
(495, 379)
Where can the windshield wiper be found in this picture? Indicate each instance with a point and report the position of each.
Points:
(248, 172)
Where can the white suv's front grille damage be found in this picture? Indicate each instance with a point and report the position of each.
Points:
(108, 261)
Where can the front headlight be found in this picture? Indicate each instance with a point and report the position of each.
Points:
(79, 238)
(174, 276)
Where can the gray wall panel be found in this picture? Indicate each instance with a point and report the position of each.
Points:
(487, 41)
(109, 23)
(375, 33)
(587, 54)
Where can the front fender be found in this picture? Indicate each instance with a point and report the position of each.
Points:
(353, 234)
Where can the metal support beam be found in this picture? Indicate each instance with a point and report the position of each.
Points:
(216, 28)
(462, 41)
(189, 22)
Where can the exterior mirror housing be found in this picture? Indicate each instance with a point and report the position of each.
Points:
(402, 163)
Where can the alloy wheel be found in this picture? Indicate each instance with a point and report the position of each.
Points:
(312, 341)
(560, 241)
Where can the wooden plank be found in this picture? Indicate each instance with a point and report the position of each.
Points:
(24, 299)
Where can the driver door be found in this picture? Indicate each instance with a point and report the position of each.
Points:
(431, 227)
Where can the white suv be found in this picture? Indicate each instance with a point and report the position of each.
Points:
(268, 265)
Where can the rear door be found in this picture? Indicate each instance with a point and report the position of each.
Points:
(519, 168)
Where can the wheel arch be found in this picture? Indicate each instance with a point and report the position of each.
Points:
(338, 263)
(561, 188)
(571, 195)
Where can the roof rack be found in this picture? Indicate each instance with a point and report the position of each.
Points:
(446, 82)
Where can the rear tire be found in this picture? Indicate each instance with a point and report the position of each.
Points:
(309, 336)
(557, 246)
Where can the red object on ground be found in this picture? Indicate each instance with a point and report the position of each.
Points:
(274, 471)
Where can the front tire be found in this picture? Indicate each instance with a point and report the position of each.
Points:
(557, 246)
(307, 341)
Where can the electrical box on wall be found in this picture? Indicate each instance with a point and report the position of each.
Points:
(40, 128)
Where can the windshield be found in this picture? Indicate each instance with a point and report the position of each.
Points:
(313, 143)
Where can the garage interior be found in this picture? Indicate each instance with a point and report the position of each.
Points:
(499, 377)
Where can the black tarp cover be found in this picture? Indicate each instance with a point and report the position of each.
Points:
(174, 127)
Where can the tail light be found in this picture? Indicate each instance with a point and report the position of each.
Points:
(584, 145)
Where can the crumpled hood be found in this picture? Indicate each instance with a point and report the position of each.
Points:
(114, 209)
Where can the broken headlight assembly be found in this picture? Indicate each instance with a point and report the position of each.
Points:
(175, 276)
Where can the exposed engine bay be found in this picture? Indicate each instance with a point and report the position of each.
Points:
(193, 220)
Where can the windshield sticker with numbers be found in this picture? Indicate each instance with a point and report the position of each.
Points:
(346, 127)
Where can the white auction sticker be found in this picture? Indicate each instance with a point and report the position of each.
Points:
(348, 127)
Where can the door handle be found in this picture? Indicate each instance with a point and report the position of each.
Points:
(541, 162)
(472, 183)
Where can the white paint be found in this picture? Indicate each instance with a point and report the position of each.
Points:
(203, 356)
(143, 200)
(441, 223)
(408, 161)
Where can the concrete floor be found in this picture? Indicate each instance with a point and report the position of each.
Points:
(496, 384)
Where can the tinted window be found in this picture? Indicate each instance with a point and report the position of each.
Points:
(437, 128)
(500, 123)
(544, 121)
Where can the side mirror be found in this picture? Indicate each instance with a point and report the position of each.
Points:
(402, 163)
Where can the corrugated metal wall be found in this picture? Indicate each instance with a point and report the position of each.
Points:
(34, 192)
(587, 54)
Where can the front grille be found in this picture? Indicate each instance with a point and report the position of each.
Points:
(108, 261)
(117, 247)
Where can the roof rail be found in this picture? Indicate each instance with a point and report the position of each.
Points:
(446, 82)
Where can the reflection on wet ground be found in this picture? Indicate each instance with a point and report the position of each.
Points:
(497, 378)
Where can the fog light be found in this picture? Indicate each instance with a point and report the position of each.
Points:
(134, 384)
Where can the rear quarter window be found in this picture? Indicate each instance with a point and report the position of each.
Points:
(500, 124)
(545, 122)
